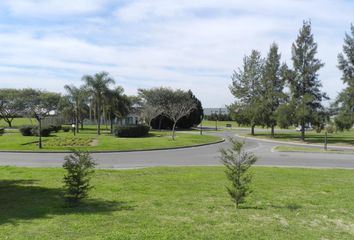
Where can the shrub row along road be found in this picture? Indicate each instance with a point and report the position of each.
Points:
(197, 156)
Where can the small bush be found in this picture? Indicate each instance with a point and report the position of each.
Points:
(132, 131)
(26, 130)
(65, 129)
(2, 131)
(55, 128)
(79, 167)
(45, 131)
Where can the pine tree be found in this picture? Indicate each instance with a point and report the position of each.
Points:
(304, 82)
(246, 87)
(272, 87)
(238, 163)
(345, 100)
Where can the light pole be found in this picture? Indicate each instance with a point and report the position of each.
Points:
(40, 117)
(73, 126)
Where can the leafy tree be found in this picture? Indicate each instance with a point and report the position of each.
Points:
(238, 163)
(79, 167)
(272, 85)
(149, 112)
(98, 85)
(285, 115)
(159, 98)
(247, 89)
(178, 105)
(117, 104)
(40, 104)
(194, 118)
(344, 121)
(77, 97)
(304, 83)
(345, 100)
(12, 103)
(237, 113)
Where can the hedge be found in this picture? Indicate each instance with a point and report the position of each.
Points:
(26, 130)
(132, 131)
(45, 131)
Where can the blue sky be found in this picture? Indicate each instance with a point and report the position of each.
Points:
(188, 44)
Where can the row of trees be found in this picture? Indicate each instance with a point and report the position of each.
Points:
(97, 100)
(270, 93)
(76, 105)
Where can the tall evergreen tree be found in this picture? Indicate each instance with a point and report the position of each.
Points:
(246, 88)
(272, 87)
(345, 100)
(304, 82)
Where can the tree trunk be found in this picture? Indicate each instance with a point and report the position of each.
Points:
(302, 132)
(160, 122)
(40, 133)
(111, 125)
(173, 130)
(77, 124)
(98, 119)
(252, 130)
(272, 131)
(9, 122)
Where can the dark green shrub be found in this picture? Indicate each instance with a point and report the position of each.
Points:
(26, 130)
(132, 131)
(55, 128)
(2, 131)
(65, 129)
(79, 167)
(45, 131)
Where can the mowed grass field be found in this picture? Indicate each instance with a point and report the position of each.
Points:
(17, 122)
(90, 141)
(339, 138)
(178, 203)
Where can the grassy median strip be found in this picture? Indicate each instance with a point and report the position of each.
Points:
(179, 203)
(310, 149)
(88, 140)
(340, 138)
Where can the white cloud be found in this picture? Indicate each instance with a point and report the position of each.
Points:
(186, 44)
(52, 8)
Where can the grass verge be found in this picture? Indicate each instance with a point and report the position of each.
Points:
(179, 203)
(308, 149)
(88, 140)
(341, 138)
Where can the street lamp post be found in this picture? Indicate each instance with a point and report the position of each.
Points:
(73, 126)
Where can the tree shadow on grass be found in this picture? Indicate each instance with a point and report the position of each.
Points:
(24, 200)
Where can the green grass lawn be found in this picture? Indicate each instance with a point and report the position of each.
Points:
(179, 203)
(340, 138)
(89, 140)
(221, 124)
(17, 122)
(308, 149)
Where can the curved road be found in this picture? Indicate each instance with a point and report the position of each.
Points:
(197, 156)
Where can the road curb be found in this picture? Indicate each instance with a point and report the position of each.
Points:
(119, 151)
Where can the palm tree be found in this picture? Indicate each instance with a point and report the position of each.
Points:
(117, 104)
(98, 85)
(77, 97)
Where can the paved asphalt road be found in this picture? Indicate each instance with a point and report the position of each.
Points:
(198, 156)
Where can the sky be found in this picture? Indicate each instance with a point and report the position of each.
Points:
(187, 44)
